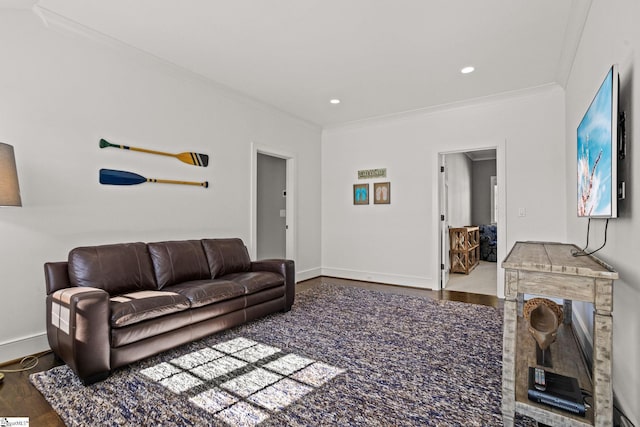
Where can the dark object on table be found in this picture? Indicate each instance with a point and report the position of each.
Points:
(489, 242)
(560, 392)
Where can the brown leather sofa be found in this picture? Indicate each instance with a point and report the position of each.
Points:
(110, 305)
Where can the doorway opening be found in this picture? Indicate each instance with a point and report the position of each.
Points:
(272, 204)
(271, 231)
(471, 205)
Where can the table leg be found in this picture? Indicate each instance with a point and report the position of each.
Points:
(602, 385)
(509, 362)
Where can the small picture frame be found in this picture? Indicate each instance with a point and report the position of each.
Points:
(360, 194)
(382, 193)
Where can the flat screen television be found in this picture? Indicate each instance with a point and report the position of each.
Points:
(598, 152)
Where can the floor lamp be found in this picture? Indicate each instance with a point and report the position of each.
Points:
(9, 188)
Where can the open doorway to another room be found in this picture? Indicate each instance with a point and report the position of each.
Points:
(469, 212)
(271, 207)
(273, 196)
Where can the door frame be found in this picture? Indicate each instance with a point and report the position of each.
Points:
(290, 218)
(443, 210)
(501, 177)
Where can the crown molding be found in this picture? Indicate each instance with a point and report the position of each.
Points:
(467, 103)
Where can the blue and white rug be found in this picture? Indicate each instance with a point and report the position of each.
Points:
(343, 356)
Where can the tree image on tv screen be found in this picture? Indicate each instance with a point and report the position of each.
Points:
(588, 184)
(594, 156)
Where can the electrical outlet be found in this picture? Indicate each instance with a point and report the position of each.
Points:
(522, 212)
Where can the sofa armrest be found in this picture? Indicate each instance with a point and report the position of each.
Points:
(78, 330)
(284, 267)
(56, 275)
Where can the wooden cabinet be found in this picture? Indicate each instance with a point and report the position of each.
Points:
(551, 270)
(464, 249)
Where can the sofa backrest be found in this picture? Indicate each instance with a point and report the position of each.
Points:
(226, 256)
(178, 261)
(117, 269)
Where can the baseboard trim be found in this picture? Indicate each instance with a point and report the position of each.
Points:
(301, 276)
(21, 347)
(390, 279)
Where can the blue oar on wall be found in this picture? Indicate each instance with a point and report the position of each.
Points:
(116, 177)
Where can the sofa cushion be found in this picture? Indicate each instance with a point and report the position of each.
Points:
(255, 281)
(117, 269)
(136, 307)
(178, 261)
(204, 292)
(150, 329)
(226, 256)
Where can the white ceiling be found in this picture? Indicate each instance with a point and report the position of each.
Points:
(380, 57)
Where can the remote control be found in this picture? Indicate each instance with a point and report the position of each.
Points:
(539, 381)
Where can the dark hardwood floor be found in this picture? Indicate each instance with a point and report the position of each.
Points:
(18, 398)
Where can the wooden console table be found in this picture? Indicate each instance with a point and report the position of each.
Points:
(550, 270)
(464, 249)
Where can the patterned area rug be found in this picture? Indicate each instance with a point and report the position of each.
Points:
(341, 356)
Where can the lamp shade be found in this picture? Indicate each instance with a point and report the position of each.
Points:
(9, 188)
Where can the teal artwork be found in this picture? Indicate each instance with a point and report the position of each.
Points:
(360, 194)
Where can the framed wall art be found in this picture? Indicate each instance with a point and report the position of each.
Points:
(360, 194)
(382, 193)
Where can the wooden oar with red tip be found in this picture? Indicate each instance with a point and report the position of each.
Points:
(196, 159)
(116, 177)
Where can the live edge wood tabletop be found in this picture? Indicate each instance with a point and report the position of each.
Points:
(552, 270)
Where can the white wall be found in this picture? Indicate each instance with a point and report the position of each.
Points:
(481, 206)
(459, 171)
(612, 35)
(398, 243)
(60, 93)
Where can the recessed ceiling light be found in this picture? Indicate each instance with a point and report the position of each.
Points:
(467, 70)
(334, 101)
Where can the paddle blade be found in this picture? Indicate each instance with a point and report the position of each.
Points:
(196, 159)
(104, 144)
(116, 177)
